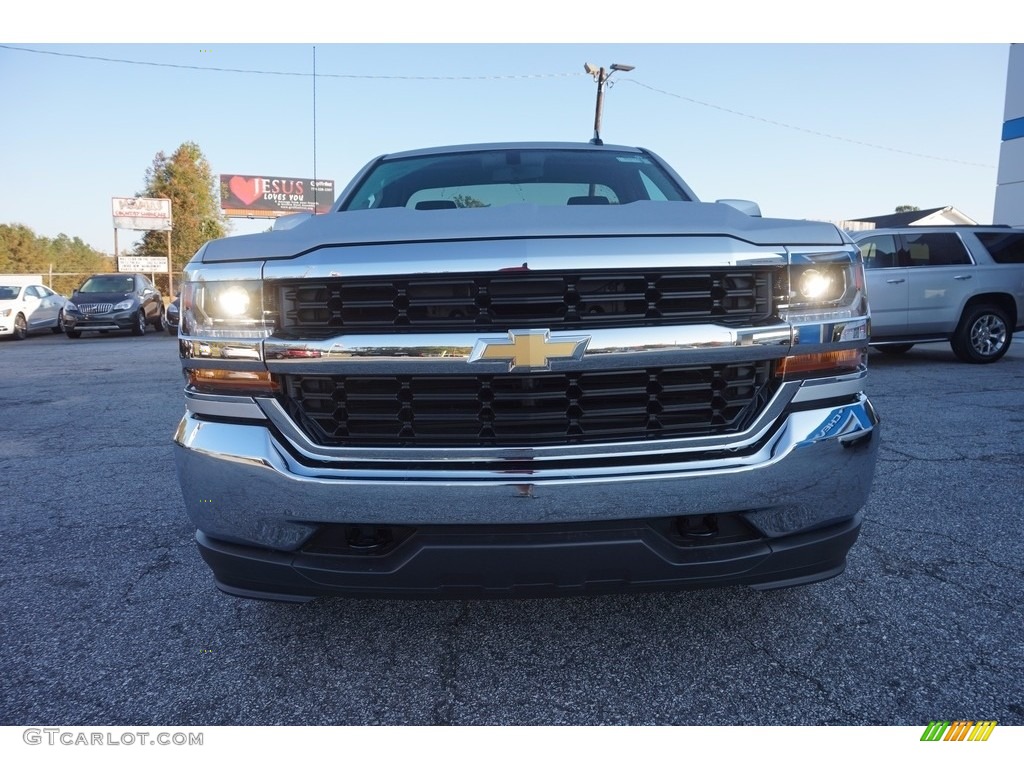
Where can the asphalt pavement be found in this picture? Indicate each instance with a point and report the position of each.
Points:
(110, 617)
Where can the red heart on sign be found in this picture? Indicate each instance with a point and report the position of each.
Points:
(246, 190)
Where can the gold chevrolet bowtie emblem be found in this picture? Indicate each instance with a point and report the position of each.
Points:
(530, 350)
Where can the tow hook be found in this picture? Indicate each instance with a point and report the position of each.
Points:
(698, 526)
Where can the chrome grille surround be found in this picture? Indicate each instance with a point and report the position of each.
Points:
(95, 309)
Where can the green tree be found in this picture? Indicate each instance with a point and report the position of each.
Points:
(906, 208)
(20, 249)
(186, 179)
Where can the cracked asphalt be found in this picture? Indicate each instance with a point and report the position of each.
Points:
(109, 616)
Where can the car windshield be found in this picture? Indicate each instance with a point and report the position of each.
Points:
(494, 177)
(108, 284)
(9, 291)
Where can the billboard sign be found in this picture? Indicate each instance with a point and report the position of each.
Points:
(148, 213)
(273, 196)
(141, 263)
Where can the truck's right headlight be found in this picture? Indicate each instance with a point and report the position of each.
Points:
(224, 309)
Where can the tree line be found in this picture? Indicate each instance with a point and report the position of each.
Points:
(184, 177)
(23, 251)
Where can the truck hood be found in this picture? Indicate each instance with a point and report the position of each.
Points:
(398, 225)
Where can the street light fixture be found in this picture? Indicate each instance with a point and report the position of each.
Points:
(602, 76)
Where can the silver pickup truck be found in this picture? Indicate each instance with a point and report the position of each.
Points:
(524, 369)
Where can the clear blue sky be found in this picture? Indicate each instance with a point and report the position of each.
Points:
(77, 132)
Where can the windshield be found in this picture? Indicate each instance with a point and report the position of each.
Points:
(9, 291)
(108, 284)
(485, 178)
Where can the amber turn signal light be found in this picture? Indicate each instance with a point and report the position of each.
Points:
(842, 361)
(217, 381)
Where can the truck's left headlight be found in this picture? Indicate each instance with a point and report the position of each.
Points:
(823, 296)
(821, 288)
(816, 284)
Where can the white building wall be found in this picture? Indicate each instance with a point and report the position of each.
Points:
(1009, 208)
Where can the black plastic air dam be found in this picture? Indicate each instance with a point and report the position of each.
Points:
(622, 557)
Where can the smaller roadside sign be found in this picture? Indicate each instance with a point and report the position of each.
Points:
(21, 280)
(141, 263)
(146, 213)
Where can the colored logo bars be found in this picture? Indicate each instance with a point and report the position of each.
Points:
(958, 730)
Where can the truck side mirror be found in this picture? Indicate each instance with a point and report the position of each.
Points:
(748, 207)
(290, 221)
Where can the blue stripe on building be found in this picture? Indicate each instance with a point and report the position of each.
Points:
(1013, 129)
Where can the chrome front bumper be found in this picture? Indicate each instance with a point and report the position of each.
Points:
(247, 483)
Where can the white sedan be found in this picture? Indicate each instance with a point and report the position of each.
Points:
(27, 308)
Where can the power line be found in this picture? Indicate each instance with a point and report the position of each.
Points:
(286, 74)
(709, 105)
(799, 128)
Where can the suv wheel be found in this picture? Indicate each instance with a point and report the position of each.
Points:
(139, 326)
(158, 324)
(983, 335)
(59, 327)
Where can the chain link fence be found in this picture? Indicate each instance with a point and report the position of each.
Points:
(65, 283)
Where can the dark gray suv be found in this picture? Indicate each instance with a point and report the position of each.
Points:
(115, 301)
(964, 285)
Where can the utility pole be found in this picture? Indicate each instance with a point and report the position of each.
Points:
(602, 76)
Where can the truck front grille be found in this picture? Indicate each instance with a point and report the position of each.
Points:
(540, 409)
(517, 299)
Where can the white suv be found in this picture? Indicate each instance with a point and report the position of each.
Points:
(964, 285)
